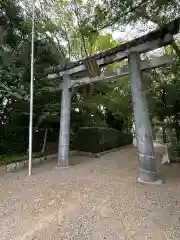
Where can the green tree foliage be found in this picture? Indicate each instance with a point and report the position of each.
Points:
(164, 93)
(15, 61)
(121, 12)
(69, 30)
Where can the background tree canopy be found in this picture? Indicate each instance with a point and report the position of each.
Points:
(68, 30)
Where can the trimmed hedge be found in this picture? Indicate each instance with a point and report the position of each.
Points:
(14, 140)
(100, 139)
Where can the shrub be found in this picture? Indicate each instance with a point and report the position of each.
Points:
(15, 140)
(100, 139)
(174, 149)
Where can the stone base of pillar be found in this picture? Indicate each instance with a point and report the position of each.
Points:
(157, 182)
(62, 167)
(149, 176)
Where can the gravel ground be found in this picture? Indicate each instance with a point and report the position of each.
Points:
(94, 199)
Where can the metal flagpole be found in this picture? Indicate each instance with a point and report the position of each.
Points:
(31, 91)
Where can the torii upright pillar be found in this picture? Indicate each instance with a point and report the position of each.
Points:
(63, 148)
(148, 171)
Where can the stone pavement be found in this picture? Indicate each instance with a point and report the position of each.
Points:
(94, 199)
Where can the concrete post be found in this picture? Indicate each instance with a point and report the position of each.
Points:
(63, 148)
(148, 172)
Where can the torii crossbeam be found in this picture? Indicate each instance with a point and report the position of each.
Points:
(90, 70)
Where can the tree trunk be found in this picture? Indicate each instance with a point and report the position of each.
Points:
(177, 129)
(177, 133)
(127, 125)
(44, 142)
(164, 134)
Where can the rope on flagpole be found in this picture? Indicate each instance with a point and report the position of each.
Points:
(31, 92)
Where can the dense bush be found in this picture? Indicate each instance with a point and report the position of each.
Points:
(174, 149)
(100, 139)
(14, 140)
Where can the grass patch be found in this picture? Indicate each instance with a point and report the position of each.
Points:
(7, 159)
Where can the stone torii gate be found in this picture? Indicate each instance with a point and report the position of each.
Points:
(91, 70)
